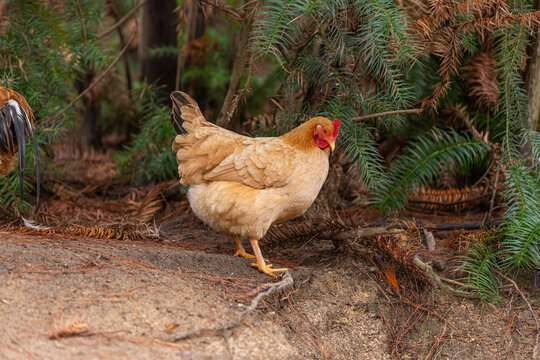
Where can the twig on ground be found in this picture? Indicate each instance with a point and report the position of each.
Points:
(438, 280)
(423, 308)
(271, 288)
(364, 232)
(448, 226)
(535, 348)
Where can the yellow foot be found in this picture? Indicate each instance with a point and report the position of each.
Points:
(267, 269)
(243, 254)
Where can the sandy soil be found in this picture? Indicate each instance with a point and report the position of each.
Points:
(128, 297)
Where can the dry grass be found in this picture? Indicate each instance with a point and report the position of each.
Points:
(69, 328)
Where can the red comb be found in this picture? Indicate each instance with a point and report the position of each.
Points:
(337, 124)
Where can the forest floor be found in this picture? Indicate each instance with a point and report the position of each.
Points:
(74, 297)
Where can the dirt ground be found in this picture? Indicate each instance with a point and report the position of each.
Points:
(124, 299)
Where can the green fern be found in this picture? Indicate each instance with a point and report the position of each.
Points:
(423, 161)
(480, 265)
(47, 75)
(388, 46)
(520, 245)
(149, 155)
(357, 142)
(279, 26)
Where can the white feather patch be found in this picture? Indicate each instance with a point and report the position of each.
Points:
(32, 224)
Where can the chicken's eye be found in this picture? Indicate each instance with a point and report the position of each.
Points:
(324, 131)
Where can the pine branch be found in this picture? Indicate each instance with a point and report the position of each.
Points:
(95, 81)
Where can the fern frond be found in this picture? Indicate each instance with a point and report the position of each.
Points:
(386, 45)
(532, 138)
(361, 149)
(480, 264)
(149, 155)
(279, 26)
(520, 248)
(424, 160)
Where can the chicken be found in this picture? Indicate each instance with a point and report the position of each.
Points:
(240, 185)
(16, 122)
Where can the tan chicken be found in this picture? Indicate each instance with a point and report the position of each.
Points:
(240, 185)
(16, 123)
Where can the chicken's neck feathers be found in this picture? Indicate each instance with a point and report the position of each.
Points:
(302, 138)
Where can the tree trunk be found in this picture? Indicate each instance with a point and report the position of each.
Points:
(158, 31)
(194, 28)
(91, 117)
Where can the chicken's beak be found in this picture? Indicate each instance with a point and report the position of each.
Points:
(332, 145)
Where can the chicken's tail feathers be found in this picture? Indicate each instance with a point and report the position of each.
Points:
(15, 125)
(184, 111)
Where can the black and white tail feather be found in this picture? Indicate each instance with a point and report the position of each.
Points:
(15, 124)
(180, 100)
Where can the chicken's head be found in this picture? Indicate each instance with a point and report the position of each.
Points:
(326, 133)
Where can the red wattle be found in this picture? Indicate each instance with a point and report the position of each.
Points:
(321, 143)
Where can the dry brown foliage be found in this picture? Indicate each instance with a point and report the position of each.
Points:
(480, 78)
(120, 232)
(458, 118)
(455, 199)
(442, 30)
(70, 327)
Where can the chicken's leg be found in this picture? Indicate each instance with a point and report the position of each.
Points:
(240, 249)
(261, 264)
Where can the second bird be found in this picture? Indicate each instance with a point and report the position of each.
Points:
(240, 185)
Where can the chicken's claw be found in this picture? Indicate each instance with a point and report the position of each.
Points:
(261, 263)
(244, 254)
(240, 249)
(267, 269)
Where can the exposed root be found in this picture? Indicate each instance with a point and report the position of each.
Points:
(438, 280)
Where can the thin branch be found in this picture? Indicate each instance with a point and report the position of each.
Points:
(453, 226)
(271, 288)
(535, 348)
(386, 113)
(438, 280)
(492, 200)
(363, 232)
(236, 14)
(242, 56)
(122, 20)
(95, 81)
